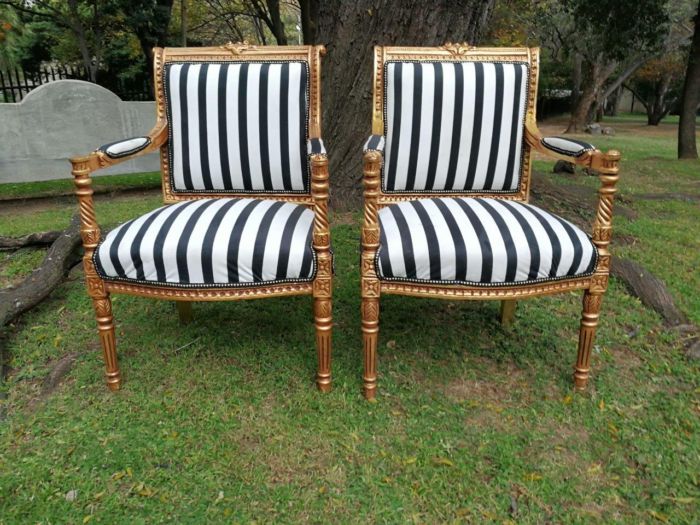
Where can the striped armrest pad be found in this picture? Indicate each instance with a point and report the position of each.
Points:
(569, 147)
(374, 143)
(315, 146)
(124, 148)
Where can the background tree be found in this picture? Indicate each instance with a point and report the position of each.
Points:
(87, 22)
(687, 145)
(606, 40)
(658, 84)
(350, 30)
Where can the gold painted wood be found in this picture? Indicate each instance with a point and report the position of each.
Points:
(508, 312)
(594, 286)
(320, 288)
(184, 311)
(370, 285)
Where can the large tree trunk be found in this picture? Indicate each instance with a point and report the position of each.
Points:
(687, 146)
(350, 30)
(590, 98)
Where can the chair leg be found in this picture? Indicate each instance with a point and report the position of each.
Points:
(589, 323)
(370, 334)
(105, 327)
(323, 319)
(184, 311)
(507, 312)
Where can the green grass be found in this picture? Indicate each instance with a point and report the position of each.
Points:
(52, 188)
(218, 421)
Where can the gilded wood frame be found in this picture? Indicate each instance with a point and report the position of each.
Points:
(320, 287)
(605, 164)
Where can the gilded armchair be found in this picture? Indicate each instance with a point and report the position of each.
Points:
(245, 188)
(447, 179)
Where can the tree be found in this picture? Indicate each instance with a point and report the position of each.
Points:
(687, 146)
(350, 30)
(149, 21)
(89, 22)
(607, 37)
(658, 85)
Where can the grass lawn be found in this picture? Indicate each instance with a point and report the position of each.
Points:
(219, 421)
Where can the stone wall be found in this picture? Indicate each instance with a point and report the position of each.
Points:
(65, 118)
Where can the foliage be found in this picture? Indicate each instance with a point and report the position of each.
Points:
(218, 421)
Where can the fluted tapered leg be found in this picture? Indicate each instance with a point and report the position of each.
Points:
(105, 327)
(589, 323)
(323, 319)
(370, 334)
(184, 311)
(508, 312)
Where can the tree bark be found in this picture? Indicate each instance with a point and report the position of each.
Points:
(33, 239)
(350, 30)
(687, 145)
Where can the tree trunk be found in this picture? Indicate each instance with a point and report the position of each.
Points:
(276, 24)
(580, 112)
(687, 145)
(350, 30)
(658, 107)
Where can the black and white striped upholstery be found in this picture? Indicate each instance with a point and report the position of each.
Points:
(212, 243)
(374, 143)
(569, 147)
(315, 147)
(454, 126)
(483, 242)
(238, 127)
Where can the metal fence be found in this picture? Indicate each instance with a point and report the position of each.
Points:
(15, 84)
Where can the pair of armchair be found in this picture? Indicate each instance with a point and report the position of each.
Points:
(446, 178)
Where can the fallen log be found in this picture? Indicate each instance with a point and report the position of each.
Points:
(63, 254)
(648, 288)
(33, 239)
(578, 204)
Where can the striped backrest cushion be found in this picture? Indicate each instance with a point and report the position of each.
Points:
(238, 126)
(454, 126)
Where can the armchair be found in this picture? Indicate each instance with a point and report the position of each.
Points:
(245, 187)
(446, 189)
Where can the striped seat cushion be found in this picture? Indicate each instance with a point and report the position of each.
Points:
(454, 126)
(483, 242)
(212, 243)
(238, 126)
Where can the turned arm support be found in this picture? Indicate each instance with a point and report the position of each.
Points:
(372, 162)
(320, 194)
(104, 157)
(606, 165)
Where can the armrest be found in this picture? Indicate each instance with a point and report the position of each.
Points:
(374, 143)
(314, 146)
(123, 150)
(560, 148)
(568, 147)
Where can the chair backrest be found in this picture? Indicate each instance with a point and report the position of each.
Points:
(239, 117)
(454, 119)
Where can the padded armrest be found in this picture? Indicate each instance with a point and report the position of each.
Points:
(314, 146)
(568, 147)
(124, 148)
(374, 143)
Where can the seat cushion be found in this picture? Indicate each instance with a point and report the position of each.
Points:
(212, 243)
(482, 242)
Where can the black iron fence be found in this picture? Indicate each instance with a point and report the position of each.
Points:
(16, 83)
